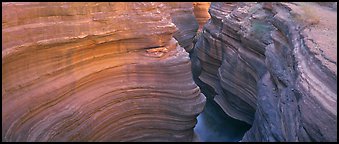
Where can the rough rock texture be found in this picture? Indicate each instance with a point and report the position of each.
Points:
(201, 13)
(95, 72)
(215, 49)
(257, 62)
(184, 19)
(332, 5)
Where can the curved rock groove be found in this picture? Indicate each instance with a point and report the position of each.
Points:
(96, 72)
(259, 66)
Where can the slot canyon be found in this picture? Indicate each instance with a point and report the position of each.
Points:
(169, 71)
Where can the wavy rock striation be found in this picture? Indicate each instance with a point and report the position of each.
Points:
(255, 60)
(184, 19)
(95, 72)
(201, 13)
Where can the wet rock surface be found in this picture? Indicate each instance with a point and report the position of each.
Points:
(216, 126)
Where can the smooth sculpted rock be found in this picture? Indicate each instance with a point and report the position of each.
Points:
(201, 13)
(184, 19)
(272, 66)
(95, 72)
(231, 79)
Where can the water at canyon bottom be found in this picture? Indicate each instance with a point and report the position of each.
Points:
(214, 125)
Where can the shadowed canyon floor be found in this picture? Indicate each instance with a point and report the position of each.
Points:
(214, 125)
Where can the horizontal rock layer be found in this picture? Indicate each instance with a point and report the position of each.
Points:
(95, 72)
(255, 62)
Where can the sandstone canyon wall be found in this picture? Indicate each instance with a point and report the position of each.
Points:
(121, 71)
(201, 13)
(184, 19)
(268, 65)
(95, 72)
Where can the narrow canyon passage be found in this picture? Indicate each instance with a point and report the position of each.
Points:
(273, 66)
(214, 125)
(169, 72)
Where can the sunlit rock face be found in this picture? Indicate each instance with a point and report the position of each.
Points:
(95, 72)
(262, 66)
(201, 12)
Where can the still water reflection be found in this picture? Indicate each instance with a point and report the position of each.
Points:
(216, 126)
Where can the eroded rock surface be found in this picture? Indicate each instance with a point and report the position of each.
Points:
(95, 72)
(257, 63)
(201, 13)
(184, 19)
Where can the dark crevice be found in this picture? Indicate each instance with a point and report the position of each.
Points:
(213, 125)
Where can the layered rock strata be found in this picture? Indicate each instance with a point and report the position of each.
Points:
(95, 72)
(257, 62)
(184, 19)
(201, 13)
